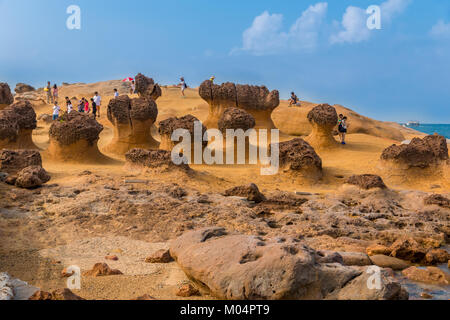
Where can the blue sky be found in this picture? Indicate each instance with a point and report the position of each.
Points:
(320, 49)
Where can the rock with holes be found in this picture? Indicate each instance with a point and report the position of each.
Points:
(366, 181)
(233, 266)
(31, 177)
(258, 101)
(323, 120)
(132, 120)
(17, 123)
(147, 88)
(13, 161)
(437, 200)
(408, 249)
(23, 88)
(74, 137)
(299, 157)
(152, 159)
(431, 275)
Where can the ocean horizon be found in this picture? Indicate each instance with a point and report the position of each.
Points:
(430, 128)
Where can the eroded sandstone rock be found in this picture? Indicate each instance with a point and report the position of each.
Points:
(152, 159)
(298, 156)
(6, 97)
(257, 101)
(74, 137)
(17, 123)
(13, 161)
(22, 88)
(57, 295)
(32, 177)
(251, 192)
(323, 120)
(132, 120)
(367, 181)
(147, 88)
(100, 270)
(232, 266)
(430, 275)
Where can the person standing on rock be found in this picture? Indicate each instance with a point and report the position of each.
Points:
(342, 128)
(182, 85)
(116, 94)
(69, 106)
(98, 101)
(81, 106)
(56, 110)
(133, 88)
(48, 89)
(94, 107)
(86, 106)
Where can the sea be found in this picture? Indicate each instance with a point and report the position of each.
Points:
(441, 129)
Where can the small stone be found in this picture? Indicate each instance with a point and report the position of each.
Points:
(160, 256)
(187, 290)
(102, 269)
(112, 258)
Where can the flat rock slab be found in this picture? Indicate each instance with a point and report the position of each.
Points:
(355, 259)
(389, 262)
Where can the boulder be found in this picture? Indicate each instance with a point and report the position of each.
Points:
(299, 157)
(74, 137)
(378, 249)
(146, 87)
(187, 290)
(251, 192)
(234, 267)
(17, 123)
(258, 101)
(31, 177)
(132, 120)
(323, 120)
(431, 275)
(419, 153)
(367, 181)
(6, 97)
(22, 88)
(358, 288)
(355, 259)
(234, 118)
(436, 256)
(13, 161)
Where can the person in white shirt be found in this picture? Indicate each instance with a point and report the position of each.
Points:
(98, 102)
(69, 107)
(116, 94)
(56, 109)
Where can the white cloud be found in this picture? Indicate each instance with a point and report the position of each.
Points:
(441, 30)
(265, 36)
(353, 27)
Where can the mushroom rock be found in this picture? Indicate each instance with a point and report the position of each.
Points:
(74, 137)
(235, 119)
(132, 120)
(298, 157)
(146, 87)
(17, 123)
(151, 159)
(323, 120)
(6, 97)
(258, 101)
(168, 126)
(13, 161)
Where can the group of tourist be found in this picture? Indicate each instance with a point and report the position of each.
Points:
(84, 106)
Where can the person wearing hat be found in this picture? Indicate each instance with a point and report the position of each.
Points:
(212, 79)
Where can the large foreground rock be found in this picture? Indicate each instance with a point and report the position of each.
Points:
(233, 266)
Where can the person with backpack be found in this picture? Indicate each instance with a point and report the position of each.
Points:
(183, 86)
(342, 128)
(293, 101)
